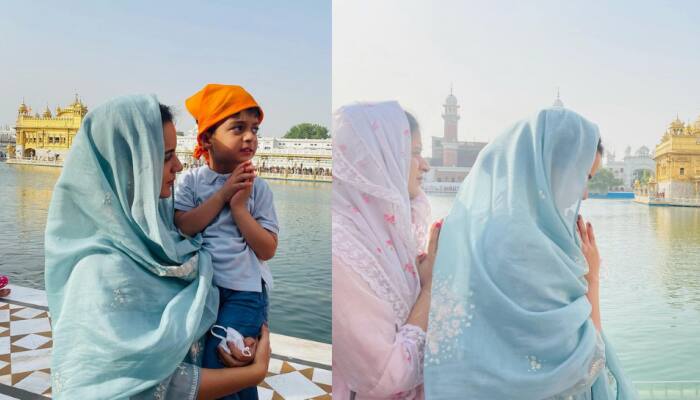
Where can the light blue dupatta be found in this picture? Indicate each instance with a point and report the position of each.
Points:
(127, 295)
(509, 316)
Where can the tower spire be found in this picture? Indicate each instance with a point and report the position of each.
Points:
(558, 102)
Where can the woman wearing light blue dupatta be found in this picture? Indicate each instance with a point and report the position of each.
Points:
(510, 316)
(130, 299)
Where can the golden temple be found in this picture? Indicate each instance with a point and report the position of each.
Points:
(677, 157)
(47, 136)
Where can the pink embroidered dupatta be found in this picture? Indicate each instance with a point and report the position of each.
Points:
(377, 233)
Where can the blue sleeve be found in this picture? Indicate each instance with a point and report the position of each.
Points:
(184, 191)
(264, 207)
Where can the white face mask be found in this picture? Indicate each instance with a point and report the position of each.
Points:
(232, 336)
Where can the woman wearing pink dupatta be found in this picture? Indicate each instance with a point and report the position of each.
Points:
(381, 277)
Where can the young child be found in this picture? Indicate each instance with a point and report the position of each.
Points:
(233, 210)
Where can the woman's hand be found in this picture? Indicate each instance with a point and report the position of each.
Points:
(589, 249)
(426, 261)
(235, 359)
(217, 383)
(421, 308)
(263, 352)
(251, 344)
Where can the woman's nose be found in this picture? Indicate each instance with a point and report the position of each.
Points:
(424, 165)
(178, 164)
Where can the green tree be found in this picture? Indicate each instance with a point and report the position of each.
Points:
(641, 175)
(603, 181)
(307, 131)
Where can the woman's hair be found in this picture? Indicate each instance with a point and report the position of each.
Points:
(412, 123)
(600, 147)
(166, 114)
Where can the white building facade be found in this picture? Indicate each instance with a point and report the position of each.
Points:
(185, 147)
(302, 159)
(8, 137)
(629, 168)
(276, 158)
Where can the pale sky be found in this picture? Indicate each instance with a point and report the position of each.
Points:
(279, 50)
(629, 66)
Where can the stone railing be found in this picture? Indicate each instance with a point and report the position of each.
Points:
(668, 201)
(441, 187)
(688, 201)
(296, 177)
(35, 161)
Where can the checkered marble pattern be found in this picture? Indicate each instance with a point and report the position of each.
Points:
(290, 380)
(25, 358)
(25, 349)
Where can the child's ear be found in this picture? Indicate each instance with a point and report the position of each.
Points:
(206, 140)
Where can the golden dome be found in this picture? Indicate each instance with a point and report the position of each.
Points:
(78, 104)
(47, 113)
(23, 109)
(676, 127)
(696, 126)
(677, 124)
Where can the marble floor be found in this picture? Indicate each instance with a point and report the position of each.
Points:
(25, 358)
(25, 351)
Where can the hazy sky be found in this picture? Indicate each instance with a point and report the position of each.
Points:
(279, 50)
(629, 66)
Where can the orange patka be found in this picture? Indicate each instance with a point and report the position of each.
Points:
(213, 104)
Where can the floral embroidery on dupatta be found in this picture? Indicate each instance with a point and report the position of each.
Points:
(364, 266)
(449, 317)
